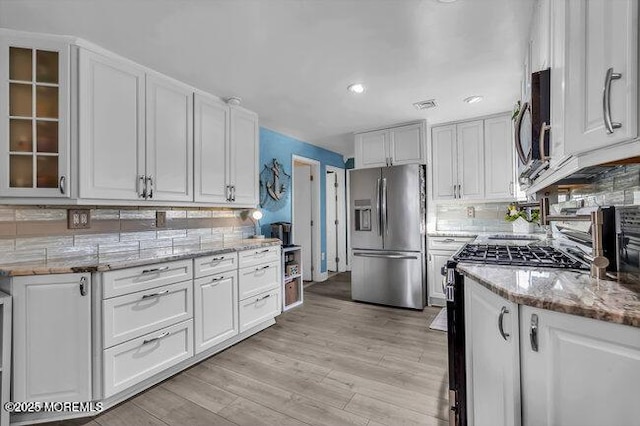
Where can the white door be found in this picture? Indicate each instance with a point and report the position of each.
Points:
(216, 309)
(443, 162)
(584, 372)
(34, 117)
(52, 338)
(499, 159)
(372, 149)
(302, 216)
(211, 142)
(169, 165)
(111, 128)
(603, 35)
(470, 137)
(331, 215)
(436, 260)
(493, 358)
(244, 154)
(407, 145)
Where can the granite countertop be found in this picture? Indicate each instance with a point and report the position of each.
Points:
(564, 291)
(474, 234)
(128, 259)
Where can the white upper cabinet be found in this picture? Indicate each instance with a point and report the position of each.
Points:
(471, 160)
(243, 157)
(111, 121)
(602, 70)
(406, 144)
(169, 154)
(578, 371)
(391, 147)
(34, 117)
(558, 40)
(444, 162)
(474, 160)
(372, 149)
(211, 127)
(492, 358)
(499, 158)
(540, 40)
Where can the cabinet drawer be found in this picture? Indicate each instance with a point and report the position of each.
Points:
(448, 243)
(258, 279)
(210, 265)
(258, 256)
(138, 359)
(130, 316)
(131, 280)
(258, 309)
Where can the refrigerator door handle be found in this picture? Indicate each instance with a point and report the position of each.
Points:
(378, 207)
(386, 256)
(385, 224)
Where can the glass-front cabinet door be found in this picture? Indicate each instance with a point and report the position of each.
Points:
(34, 117)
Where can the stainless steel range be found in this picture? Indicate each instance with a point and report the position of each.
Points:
(518, 255)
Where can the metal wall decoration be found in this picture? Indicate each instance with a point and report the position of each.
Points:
(274, 184)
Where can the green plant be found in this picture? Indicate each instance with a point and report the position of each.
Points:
(514, 212)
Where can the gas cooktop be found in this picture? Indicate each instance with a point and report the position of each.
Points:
(544, 256)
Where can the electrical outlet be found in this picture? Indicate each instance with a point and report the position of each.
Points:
(78, 219)
(471, 212)
(161, 219)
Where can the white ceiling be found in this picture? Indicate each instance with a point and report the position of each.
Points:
(291, 60)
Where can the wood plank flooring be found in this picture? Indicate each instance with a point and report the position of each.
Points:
(328, 362)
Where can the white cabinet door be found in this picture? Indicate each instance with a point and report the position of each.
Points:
(444, 162)
(211, 139)
(243, 157)
(372, 149)
(52, 338)
(493, 363)
(169, 165)
(470, 169)
(437, 259)
(499, 158)
(406, 145)
(558, 27)
(584, 372)
(216, 309)
(111, 117)
(34, 117)
(603, 36)
(540, 36)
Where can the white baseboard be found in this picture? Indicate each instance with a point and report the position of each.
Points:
(321, 276)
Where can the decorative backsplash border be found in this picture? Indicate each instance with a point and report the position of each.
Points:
(488, 217)
(40, 233)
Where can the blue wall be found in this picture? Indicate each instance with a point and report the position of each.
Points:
(283, 148)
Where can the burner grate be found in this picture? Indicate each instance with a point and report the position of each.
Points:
(518, 256)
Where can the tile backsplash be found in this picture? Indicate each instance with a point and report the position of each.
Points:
(37, 233)
(488, 217)
(618, 186)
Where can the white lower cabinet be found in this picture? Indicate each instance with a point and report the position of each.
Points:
(258, 279)
(578, 371)
(440, 249)
(258, 309)
(136, 360)
(216, 309)
(51, 338)
(492, 352)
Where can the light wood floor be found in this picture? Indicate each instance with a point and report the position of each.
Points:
(328, 362)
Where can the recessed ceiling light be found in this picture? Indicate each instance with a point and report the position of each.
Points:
(473, 99)
(356, 88)
(431, 103)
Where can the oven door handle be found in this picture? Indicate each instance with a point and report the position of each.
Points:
(386, 256)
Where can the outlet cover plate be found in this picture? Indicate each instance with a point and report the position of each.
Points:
(161, 219)
(471, 212)
(78, 219)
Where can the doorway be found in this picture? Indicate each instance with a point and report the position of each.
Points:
(336, 220)
(305, 205)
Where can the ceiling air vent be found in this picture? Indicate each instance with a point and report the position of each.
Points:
(431, 103)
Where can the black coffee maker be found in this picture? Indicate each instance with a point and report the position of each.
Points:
(282, 231)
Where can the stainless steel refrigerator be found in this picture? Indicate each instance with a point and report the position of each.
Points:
(388, 210)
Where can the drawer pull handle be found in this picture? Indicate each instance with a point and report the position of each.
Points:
(217, 258)
(218, 279)
(262, 251)
(262, 298)
(153, 339)
(160, 293)
(448, 240)
(150, 271)
(263, 268)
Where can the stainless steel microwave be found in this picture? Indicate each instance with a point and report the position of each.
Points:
(532, 127)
